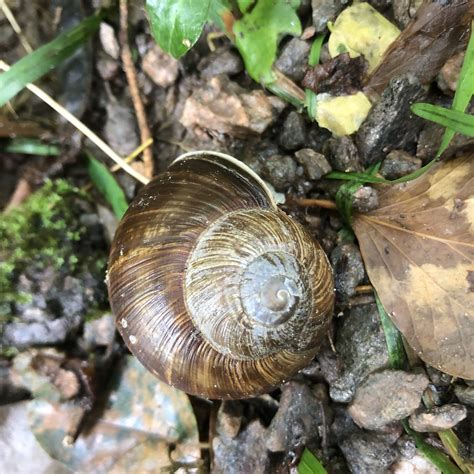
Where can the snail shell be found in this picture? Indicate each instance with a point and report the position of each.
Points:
(215, 290)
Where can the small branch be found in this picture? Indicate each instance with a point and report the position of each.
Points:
(324, 203)
(364, 289)
(22, 191)
(131, 75)
(82, 128)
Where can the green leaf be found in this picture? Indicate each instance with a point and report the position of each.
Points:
(345, 198)
(315, 51)
(177, 24)
(107, 185)
(464, 90)
(44, 59)
(30, 146)
(310, 464)
(454, 120)
(258, 33)
(244, 5)
(396, 350)
(310, 103)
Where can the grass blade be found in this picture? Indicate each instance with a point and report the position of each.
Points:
(44, 59)
(107, 185)
(310, 464)
(30, 146)
(452, 119)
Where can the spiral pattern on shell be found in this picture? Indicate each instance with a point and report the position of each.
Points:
(216, 290)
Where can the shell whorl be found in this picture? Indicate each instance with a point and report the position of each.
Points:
(215, 289)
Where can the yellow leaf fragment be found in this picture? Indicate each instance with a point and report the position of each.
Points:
(418, 249)
(360, 29)
(342, 115)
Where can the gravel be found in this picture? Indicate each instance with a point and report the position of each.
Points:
(293, 133)
(343, 154)
(399, 163)
(314, 164)
(293, 59)
(438, 418)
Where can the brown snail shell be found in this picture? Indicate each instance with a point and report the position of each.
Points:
(216, 290)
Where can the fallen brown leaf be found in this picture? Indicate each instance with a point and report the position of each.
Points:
(438, 31)
(418, 249)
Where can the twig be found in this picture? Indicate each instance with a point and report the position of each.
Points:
(16, 27)
(82, 128)
(131, 75)
(325, 203)
(361, 289)
(22, 191)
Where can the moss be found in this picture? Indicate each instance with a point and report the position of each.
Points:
(43, 232)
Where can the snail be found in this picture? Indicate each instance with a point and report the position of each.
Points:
(216, 290)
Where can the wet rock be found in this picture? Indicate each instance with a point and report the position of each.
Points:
(465, 394)
(399, 163)
(99, 332)
(280, 171)
(368, 453)
(244, 453)
(390, 124)
(438, 418)
(298, 419)
(365, 199)
(343, 154)
(404, 11)
(387, 396)
(221, 61)
(348, 269)
(160, 67)
(361, 348)
(324, 11)
(109, 41)
(224, 107)
(120, 127)
(293, 59)
(449, 75)
(314, 164)
(293, 134)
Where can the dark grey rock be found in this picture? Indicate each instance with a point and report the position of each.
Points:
(348, 269)
(120, 127)
(399, 163)
(280, 171)
(297, 421)
(404, 11)
(293, 59)
(314, 164)
(438, 418)
(324, 11)
(387, 396)
(293, 133)
(343, 154)
(368, 453)
(465, 394)
(365, 199)
(381, 5)
(390, 123)
(221, 61)
(361, 349)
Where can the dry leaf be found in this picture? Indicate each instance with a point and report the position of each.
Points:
(439, 30)
(418, 249)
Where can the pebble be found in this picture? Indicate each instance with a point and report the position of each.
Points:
(390, 123)
(465, 394)
(387, 396)
(120, 127)
(361, 349)
(438, 418)
(107, 67)
(348, 267)
(324, 11)
(449, 75)
(293, 59)
(221, 61)
(108, 40)
(404, 11)
(160, 67)
(314, 164)
(343, 154)
(399, 163)
(280, 171)
(293, 133)
(365, 199)
(100, 331)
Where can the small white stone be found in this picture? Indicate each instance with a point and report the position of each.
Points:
(133, 339)
(123, 323)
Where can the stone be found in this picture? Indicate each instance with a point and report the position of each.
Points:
(107, 67)
(293, 59)
(365, 199)
(399, 163)
(324, 11)
(465, 394)
(343, 154)
(348, 268)
(449, 75)
(314, 164)
(293, 133)
(438, 418)
(160, 67)
(387, 396)
(280, 171)
(99, 332)
(108, 40)
(390, 123)
(404, 11)
(223, 106)
(417, 464)
(361, 349)
(221, 61)
(120, 127)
